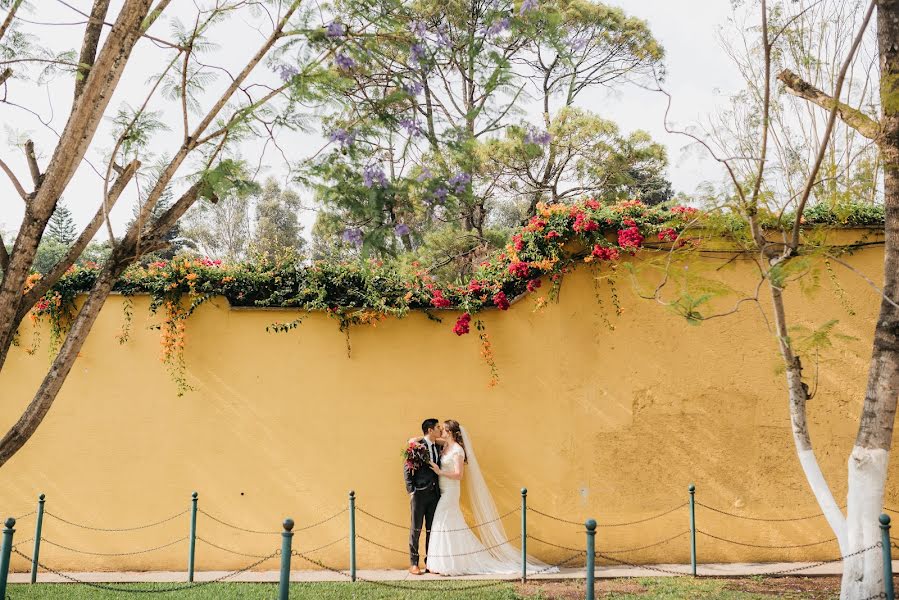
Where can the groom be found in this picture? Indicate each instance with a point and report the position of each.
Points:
(424, 492)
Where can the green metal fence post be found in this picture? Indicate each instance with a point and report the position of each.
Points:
(352, 535)
(193, 536)
(524, 535)
(887, 556)
(5, 551)
(37, 537)
(286, 542)
(692, 489)
(591, 559)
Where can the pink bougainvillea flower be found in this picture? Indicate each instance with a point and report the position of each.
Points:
(667, 235)
(500, 301)
(462, 324)
(533, 284)
(438, 301)
(605, 252)
(519, 269)
(630, 238)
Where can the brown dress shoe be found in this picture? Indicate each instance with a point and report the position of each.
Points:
(415, 570)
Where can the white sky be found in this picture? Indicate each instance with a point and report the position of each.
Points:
(699, 79)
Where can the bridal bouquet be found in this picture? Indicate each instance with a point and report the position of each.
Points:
(416, 456)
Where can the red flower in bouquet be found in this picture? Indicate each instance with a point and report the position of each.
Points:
(415, 456)
(552, 235)
(500, 301)
(463, 324)
(519, 269)
(591, 203)
(533, 284)
(519, 244)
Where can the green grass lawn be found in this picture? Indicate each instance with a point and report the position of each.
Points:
(642, 589)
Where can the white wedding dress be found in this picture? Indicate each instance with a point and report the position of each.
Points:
(454, 548)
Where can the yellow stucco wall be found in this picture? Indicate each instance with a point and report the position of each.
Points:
(596, 423)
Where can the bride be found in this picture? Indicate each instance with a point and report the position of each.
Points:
(454, 548)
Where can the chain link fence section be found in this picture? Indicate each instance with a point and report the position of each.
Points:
(116, 529)
(89, 553)
(159, 590)
(434, 588)
(406, 527)
(599, 525)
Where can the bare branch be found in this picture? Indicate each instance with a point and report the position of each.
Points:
(89, 44)
(862, 123)
(6, 74)
(32, 163)
(15, 181)
(49, 280)
(865, 277)
(822, 150)
(9, 17)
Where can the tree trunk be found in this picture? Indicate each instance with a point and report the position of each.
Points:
(863, 575)
(73, 144)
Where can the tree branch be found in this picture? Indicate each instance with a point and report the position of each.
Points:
(862, 123)
(6, 74)
(4, 256)
(9, 17)
(49, 280)
(14, 179)
(89, 44)
(32, 164)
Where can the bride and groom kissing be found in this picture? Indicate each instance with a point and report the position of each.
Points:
(435, 466)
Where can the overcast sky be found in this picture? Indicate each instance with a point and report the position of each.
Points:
(699, 79)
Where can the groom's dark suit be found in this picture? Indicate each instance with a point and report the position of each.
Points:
(424, 493)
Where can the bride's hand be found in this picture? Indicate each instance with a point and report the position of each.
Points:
(434, 467)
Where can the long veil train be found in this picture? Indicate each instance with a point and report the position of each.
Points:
(489, 526)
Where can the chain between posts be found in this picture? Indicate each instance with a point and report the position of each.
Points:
(406, 526)
(260, 532)
(598, 525)
(89, 553)
(117, 529)
(165, 590)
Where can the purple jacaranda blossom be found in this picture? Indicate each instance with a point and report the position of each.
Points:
(417, 53)
(287, 72)
(344, 62)
(402, 229)
(536, 136)
(373, 176)
(459, 182)
(527, 6)
(498, 26)
(438, 196)
(345, 137)
(336, 30)
(412, 128)
(419, 28)
(576, 41)
(442, 39)
(353, 236)
(413, 88)
(424, 175)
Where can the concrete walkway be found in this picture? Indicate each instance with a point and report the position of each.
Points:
(710, 570)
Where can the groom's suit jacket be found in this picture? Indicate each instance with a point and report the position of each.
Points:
(424, 478)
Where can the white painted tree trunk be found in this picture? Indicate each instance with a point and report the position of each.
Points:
(863, 574)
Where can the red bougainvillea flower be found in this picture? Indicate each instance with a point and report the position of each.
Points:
(667, 235)
(462, 324)
(474, 286)
(516, 240)
(500, 301)
(552, 235)
(519, 269)
(591, 203)
(605, 252)
(533, 284)
(629, 222)
(630, 238)
(683, 210)
(535, 224)
(438, 301)
(583, 223)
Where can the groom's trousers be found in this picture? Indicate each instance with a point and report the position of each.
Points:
(423, 503)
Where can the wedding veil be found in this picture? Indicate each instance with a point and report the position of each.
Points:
(488, 525)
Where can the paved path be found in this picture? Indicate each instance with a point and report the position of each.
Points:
(713, 570)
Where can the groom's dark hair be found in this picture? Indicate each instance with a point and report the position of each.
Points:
(428, 424)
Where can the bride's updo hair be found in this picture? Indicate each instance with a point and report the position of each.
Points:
(455, 430)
